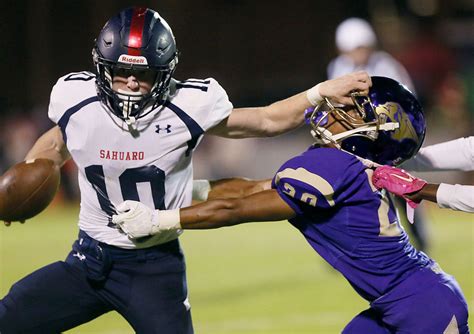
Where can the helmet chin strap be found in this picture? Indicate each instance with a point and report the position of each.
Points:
(323, 136)
(327, 137)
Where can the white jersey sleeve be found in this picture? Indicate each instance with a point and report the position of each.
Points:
(205, 101)
(68, 92)
(221, 108)
(456, 197)
(456, 154)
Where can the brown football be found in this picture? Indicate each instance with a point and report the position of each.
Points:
(27, 188)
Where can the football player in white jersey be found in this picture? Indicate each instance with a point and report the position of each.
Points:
(131, 129)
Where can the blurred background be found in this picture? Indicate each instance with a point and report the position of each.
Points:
(260, 52)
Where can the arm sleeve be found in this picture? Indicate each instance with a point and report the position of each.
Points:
(220, 107)
(456, 154)
(69, 91)
(56, 107)
(456, 197)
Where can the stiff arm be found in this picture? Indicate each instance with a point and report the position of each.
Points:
(262, 206)
(288, 114)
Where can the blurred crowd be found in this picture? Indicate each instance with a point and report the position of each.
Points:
(436, 54)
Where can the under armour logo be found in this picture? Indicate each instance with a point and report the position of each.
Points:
(168, 128)
(80, 256)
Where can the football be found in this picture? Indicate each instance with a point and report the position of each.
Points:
(27, 188)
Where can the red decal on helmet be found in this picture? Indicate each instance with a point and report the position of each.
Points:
(136, 31)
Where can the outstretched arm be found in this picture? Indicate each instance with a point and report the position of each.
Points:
(450, 196)
(456, 154)
(288, 114)
(204, 190)
(237, 187)
(259, 207)
(414, 190)
(137, 220)
(50, 146)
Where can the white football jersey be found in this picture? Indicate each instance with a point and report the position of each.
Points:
(149, 161)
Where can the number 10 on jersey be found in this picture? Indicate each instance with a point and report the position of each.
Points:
(128, 185)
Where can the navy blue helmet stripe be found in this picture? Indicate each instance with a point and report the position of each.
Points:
(193, 127)
(64, 120)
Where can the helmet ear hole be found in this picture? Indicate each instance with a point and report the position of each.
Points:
(358, 145)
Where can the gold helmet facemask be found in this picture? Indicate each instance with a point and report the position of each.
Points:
(366, 124)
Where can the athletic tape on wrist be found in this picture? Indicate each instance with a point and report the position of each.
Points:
(313, 95)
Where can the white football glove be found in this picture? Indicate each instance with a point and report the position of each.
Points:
(137, 220)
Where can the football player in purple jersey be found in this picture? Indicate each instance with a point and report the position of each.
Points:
(327, 194)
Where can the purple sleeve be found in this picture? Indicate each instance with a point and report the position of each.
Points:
(319, 178)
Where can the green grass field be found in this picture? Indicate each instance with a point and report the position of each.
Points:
(254, 278)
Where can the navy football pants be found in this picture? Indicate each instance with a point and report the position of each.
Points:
(147, 287)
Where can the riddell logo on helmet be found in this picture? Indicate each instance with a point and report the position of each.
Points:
(139, 60)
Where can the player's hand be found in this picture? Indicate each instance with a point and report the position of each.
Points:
(339, 90)
(398, 182)
(136, 219)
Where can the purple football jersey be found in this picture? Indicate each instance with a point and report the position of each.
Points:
(351, 224)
